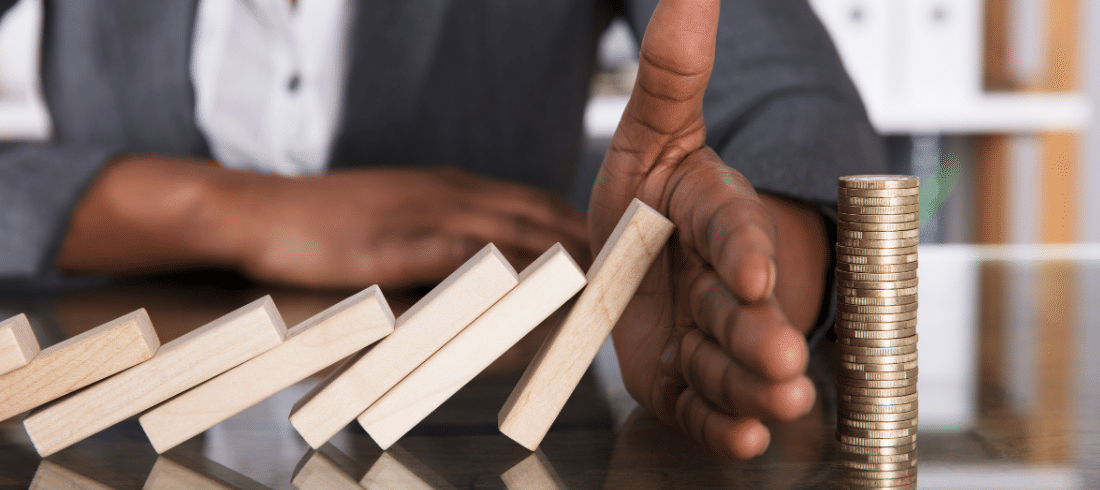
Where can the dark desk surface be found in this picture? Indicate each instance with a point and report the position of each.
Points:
(1010, 398)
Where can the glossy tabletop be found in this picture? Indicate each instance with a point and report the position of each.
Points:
(1009, 398)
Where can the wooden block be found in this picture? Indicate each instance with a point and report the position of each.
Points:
(17, 343)
(561, 361)
(187, 471)
(419, 333)
(311, 346)
(50, 476)
(325, 469)
(544, 286)
(535, 471)
(78, 362)
(398, 469)
(178, 365)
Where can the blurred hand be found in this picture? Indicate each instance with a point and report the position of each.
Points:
(705, 344)
(387, 226)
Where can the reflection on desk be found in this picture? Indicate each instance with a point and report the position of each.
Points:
(1010, 356)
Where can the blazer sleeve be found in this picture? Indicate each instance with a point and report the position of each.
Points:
(779, 106)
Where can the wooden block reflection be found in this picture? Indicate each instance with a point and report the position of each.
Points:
(185, 470)
(324, 468)
(533, 473)
(74, 472)
(397, 468)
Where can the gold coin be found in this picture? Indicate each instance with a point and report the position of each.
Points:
(903, 209)
(877, 201)
(878, 365)
(876, 268)
(875, 409)
(866, 334)
(881, 475)
(860, 441)
(911, 340)
(849, 449)
(878, 400)
(882, 293)
(878, 375)
(875, 351)
(878, 218)
(871, 277)
(876, 434)
(870, 393)
(907, 283)
(868, 466)
(867, 243)
(877, 227)
(877, 252)
(875, 181)
(872, 425)
(848, 452)
(852, 192)
(878, 235)
(876, 318)
(869, 483)
(842, 258)
(876, 301)
(876, 309)
(877, 384)
(902, 325)
(899, 359)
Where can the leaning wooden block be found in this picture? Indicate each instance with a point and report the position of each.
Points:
(78, 362)
(543, 287)
(17, 343)
(179, 365)
(311, 346)
(398, 469)
(559, 365)
(421, 331)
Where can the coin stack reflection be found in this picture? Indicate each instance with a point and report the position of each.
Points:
(876, 327)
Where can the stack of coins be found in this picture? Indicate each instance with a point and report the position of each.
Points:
(876, 327)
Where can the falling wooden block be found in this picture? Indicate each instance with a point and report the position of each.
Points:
(311, 346)
(17, 344)
(535, 471)
(178, 365)
(398, 469)
(185, 471)
(561, 361)
(419, 333)
(325, 469)
(78, 362)
(544, 286)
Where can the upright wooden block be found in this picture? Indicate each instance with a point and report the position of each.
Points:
(78, 362)
(179, 365)
(17, 343)
(398, 469)
(420, 332)
(535, 471)
(544, 286)
(311, 346)
(561, 361)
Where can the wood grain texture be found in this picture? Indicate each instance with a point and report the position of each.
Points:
(535, 471)
(544, 286)
(17, 343)
(51, 476)
(398, 469)
(556, 369)
(187, 471)
(419, 333)
(179, 365)
(325, 469)
(311, 346)
(78, 362)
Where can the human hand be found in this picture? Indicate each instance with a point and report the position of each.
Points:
(705, 344)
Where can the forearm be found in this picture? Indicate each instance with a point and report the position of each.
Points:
(147, 213)
(802, 257)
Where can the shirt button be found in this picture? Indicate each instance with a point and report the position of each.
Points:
(294, 82)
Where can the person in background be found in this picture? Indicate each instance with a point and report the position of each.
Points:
(338, 144)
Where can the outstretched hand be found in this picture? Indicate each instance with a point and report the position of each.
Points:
(705, 344)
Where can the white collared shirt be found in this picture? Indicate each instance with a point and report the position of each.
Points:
(269, 81)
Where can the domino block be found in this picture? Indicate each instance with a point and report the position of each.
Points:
(535, 471)
(325, 469)
(561, 361)
(419, 333)
(398, 469)
(17, 344)
(544, 286)
(185, 471)
(78, 362)
(311, 346)
(177, 366)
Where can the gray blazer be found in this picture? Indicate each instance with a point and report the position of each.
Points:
(496, 87)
